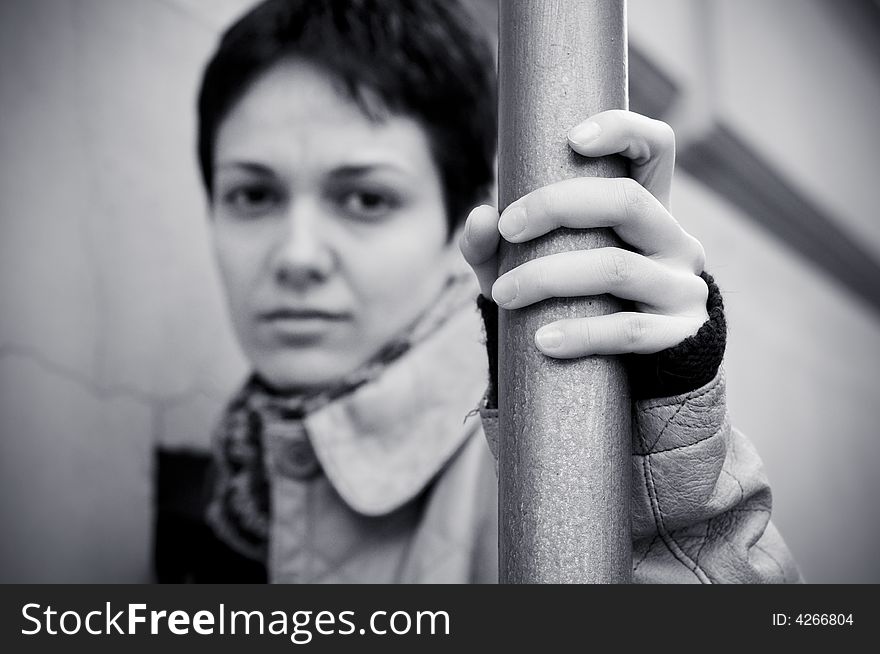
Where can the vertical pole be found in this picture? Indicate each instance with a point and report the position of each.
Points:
(564, 468)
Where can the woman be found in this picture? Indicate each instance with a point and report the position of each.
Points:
(342, 145)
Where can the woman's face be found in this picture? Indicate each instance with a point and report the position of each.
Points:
(330, 229)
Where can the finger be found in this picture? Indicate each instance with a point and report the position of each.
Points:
(621, 273)
(588, 202)
(479, 245)
(649, 144)
(616, 333)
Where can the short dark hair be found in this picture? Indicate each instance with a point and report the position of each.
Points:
(422, 58)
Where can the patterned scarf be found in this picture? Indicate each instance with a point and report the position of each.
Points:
(239, 511)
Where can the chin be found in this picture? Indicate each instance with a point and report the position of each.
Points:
(303, 372)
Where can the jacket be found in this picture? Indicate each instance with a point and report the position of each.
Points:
(397, 483)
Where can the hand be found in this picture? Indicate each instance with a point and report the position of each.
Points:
(662, 276)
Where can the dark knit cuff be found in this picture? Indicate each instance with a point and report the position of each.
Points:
(687, 366)
(680, 369)
(489, 310)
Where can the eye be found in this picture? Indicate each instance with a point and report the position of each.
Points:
(367, 204)
(251, 199)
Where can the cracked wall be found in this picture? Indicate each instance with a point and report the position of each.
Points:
(113, 337)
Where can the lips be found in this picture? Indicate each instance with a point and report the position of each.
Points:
(302, 313)
(300, 327)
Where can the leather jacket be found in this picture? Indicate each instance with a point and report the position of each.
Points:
(406, 488)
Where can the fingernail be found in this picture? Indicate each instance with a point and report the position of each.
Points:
(584, 133)
(505, 291)
(513, 222)
(549, 338)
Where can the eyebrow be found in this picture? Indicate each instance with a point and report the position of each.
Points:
(349, 171)
(341, 172)
(249, 166)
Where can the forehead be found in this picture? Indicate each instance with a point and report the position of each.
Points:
(294, 115)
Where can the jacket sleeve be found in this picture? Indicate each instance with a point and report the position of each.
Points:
(700, 500)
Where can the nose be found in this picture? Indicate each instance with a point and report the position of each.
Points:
(304, 255)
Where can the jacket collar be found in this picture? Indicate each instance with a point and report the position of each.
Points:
(382, 444)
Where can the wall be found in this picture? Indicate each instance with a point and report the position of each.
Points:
(797, 84)
(112, 331)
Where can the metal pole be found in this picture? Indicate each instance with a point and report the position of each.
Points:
(564, 470)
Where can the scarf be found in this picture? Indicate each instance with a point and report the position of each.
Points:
(239, 511)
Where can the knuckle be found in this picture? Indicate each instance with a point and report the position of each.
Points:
(700, 258)
(621, 196)
(665, 134)
(543, 204)
(690, 290)
(634, 200)
(538, 277)
(696, 255)
(587, 335)
(701, 290)
(633, 330)
(616, 267)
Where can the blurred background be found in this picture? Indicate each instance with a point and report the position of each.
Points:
(113, 336)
